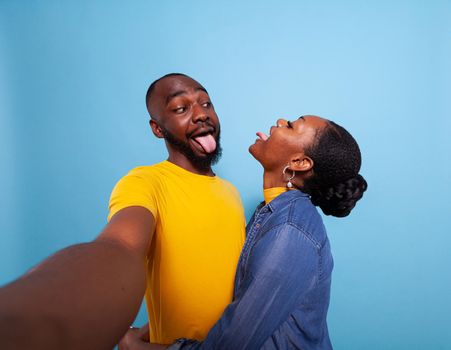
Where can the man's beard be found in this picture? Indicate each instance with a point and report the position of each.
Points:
(200, 162)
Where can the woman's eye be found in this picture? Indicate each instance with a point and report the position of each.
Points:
(289, 125)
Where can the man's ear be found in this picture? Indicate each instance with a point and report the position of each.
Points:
(301, 162)
(156, 129)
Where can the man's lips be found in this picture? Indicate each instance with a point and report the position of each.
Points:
(202, 132)
(204, 139)
(207, 142)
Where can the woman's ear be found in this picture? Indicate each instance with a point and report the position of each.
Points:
(301, 162)
(156, 129)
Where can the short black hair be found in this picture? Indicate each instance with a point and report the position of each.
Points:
(152, 87)
(336, 184)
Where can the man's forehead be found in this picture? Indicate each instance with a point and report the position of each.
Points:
(169, 87)
(174, 84)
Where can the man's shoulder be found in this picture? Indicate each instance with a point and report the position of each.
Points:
(141, 177)
(227, 184)
(146, 170)
(224, 181)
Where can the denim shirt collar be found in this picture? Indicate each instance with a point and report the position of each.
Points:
(283, 199)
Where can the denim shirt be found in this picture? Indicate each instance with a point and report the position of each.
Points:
(282, 284)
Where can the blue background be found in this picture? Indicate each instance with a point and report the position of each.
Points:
(73, 77)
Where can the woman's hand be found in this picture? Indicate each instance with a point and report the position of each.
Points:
(138, 339)
(135, 339)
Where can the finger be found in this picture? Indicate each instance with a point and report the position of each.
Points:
(127, 339)
(144, 333)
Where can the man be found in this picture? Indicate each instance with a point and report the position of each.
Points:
(175, 223)
(199, 222)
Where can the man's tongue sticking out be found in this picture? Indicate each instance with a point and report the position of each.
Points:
(207, 142)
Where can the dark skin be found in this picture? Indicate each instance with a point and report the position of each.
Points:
(285, 147)
(138, 339)
(182, 106)
(61, 302)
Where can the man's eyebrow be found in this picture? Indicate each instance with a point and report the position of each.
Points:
(200, 88)
(174, 94)
(182, 92)
(301, 117)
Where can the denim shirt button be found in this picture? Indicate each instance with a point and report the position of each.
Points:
(257, 225)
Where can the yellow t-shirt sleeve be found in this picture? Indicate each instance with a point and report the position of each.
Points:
(134, 189)
(237, 195)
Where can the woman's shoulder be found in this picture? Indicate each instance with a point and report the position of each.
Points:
(304, 217)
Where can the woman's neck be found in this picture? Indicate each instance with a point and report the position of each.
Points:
(271, 180)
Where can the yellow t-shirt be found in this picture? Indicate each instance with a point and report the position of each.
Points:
(200, 229)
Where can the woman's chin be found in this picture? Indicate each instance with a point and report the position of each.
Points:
(254, 153)
(251, 150)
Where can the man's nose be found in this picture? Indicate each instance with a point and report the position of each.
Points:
(199, 114)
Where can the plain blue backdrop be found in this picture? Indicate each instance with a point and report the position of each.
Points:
(73, 77)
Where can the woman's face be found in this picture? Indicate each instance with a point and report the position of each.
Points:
(286, 139)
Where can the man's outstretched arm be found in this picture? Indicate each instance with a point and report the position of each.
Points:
(84, 296)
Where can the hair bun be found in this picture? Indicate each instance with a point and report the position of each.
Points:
(339, 199)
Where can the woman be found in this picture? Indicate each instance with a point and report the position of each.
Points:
(282, 285)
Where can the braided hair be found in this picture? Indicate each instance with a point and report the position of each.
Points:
(336, 184)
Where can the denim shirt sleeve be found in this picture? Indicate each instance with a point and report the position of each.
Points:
(283, 265)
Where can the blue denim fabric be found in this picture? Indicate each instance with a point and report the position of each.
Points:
(282, 284)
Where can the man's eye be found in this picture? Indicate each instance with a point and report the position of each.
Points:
(206, 104)
(179, 110)
(289, 125)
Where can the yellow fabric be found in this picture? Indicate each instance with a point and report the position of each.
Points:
(273, 192)
(200, 230)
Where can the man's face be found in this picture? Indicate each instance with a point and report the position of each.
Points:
(183, 113)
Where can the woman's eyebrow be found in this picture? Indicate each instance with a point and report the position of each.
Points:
(301, 117)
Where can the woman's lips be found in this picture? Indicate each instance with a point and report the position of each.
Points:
(262, 136)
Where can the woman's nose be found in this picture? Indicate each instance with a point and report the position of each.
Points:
(281, 122)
